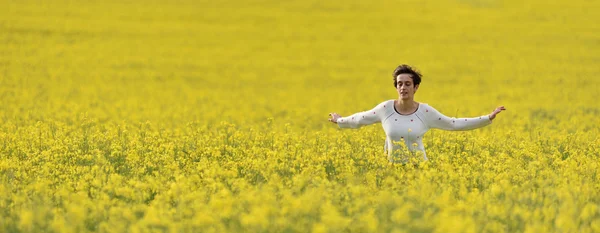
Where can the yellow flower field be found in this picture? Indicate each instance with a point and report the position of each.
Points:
(211, 116)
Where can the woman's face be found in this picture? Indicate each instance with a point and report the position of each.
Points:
(405, 87)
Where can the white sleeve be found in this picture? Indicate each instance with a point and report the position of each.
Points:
(437, 120)
(357, 120)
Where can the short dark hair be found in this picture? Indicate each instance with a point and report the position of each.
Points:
(406, 69)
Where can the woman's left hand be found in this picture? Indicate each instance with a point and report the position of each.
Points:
(495, 112)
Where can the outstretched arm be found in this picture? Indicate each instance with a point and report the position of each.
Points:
(440, 121)
(359, 119)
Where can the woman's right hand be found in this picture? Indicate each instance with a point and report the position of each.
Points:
(496, 111)
(334, 117)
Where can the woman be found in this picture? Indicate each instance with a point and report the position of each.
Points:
(405, 121)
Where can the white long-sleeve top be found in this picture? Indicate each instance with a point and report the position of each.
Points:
(404, 133)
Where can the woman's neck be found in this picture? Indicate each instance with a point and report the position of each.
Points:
(406, 106)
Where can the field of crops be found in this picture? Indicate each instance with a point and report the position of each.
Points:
(211, 116)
